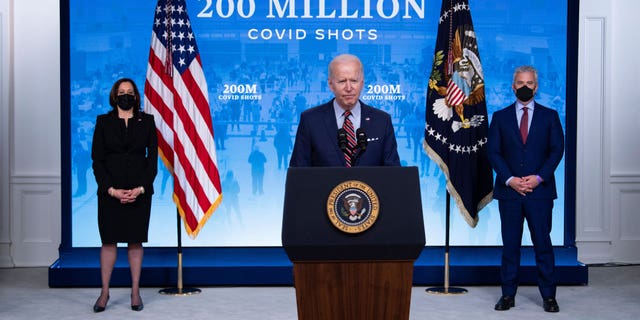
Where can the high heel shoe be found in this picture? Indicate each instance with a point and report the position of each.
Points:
(98, 308)
(137, 307)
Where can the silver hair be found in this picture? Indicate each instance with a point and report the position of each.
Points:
(522, 69)
(345, 57)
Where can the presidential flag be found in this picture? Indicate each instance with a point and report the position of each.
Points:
(456, 113)
(175, 92)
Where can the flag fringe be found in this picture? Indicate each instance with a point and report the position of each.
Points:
(193, 233)
(452, 190)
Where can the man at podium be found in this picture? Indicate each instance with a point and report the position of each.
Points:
(345, 131)
(368, 260)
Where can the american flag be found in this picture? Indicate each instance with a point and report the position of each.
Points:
(456, 112)
(175, 92)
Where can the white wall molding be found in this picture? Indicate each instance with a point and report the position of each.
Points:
(593, 226)
(630, 177)
(35, 227)
(36, 179)
(5, 125)
(626, 222)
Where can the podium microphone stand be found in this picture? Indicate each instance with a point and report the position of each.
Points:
(179, 290)
(446, 290)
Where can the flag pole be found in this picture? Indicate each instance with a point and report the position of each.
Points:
(446, 290)
(179, 290)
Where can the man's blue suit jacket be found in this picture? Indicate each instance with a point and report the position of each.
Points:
(316, 143)
(509, 156)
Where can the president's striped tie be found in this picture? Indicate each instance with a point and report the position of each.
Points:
(351, 138)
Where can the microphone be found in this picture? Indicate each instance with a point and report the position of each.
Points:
(361, 143)
(342, 139)
(361, 138)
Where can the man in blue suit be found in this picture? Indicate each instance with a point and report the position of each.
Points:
(319, 141)
(525, 145)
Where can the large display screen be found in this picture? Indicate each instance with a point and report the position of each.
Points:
(266, 61)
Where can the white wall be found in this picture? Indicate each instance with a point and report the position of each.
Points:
(30, 216)
(608, 169)
(5, 235)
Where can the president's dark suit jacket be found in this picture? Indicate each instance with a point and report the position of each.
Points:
(539, 156)
(316, 143)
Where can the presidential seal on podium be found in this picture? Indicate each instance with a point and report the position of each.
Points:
(353, 206)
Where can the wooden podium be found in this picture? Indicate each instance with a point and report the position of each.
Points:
(353, 290)
(353, 275)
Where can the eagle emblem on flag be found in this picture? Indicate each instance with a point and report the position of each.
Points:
(464, 79)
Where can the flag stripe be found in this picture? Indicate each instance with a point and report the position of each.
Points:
(455, 96)
(201, 118)
(199, 146)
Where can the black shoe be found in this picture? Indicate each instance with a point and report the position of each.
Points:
(550, 305)
(505, 303)
(98, 308)
(137, 307)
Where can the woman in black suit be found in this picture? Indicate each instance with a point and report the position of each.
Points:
(125, 160)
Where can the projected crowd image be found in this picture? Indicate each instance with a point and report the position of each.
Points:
(263, 68)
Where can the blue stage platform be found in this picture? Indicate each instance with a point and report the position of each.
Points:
(79, 267)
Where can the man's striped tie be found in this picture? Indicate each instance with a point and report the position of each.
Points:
(351, 138)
